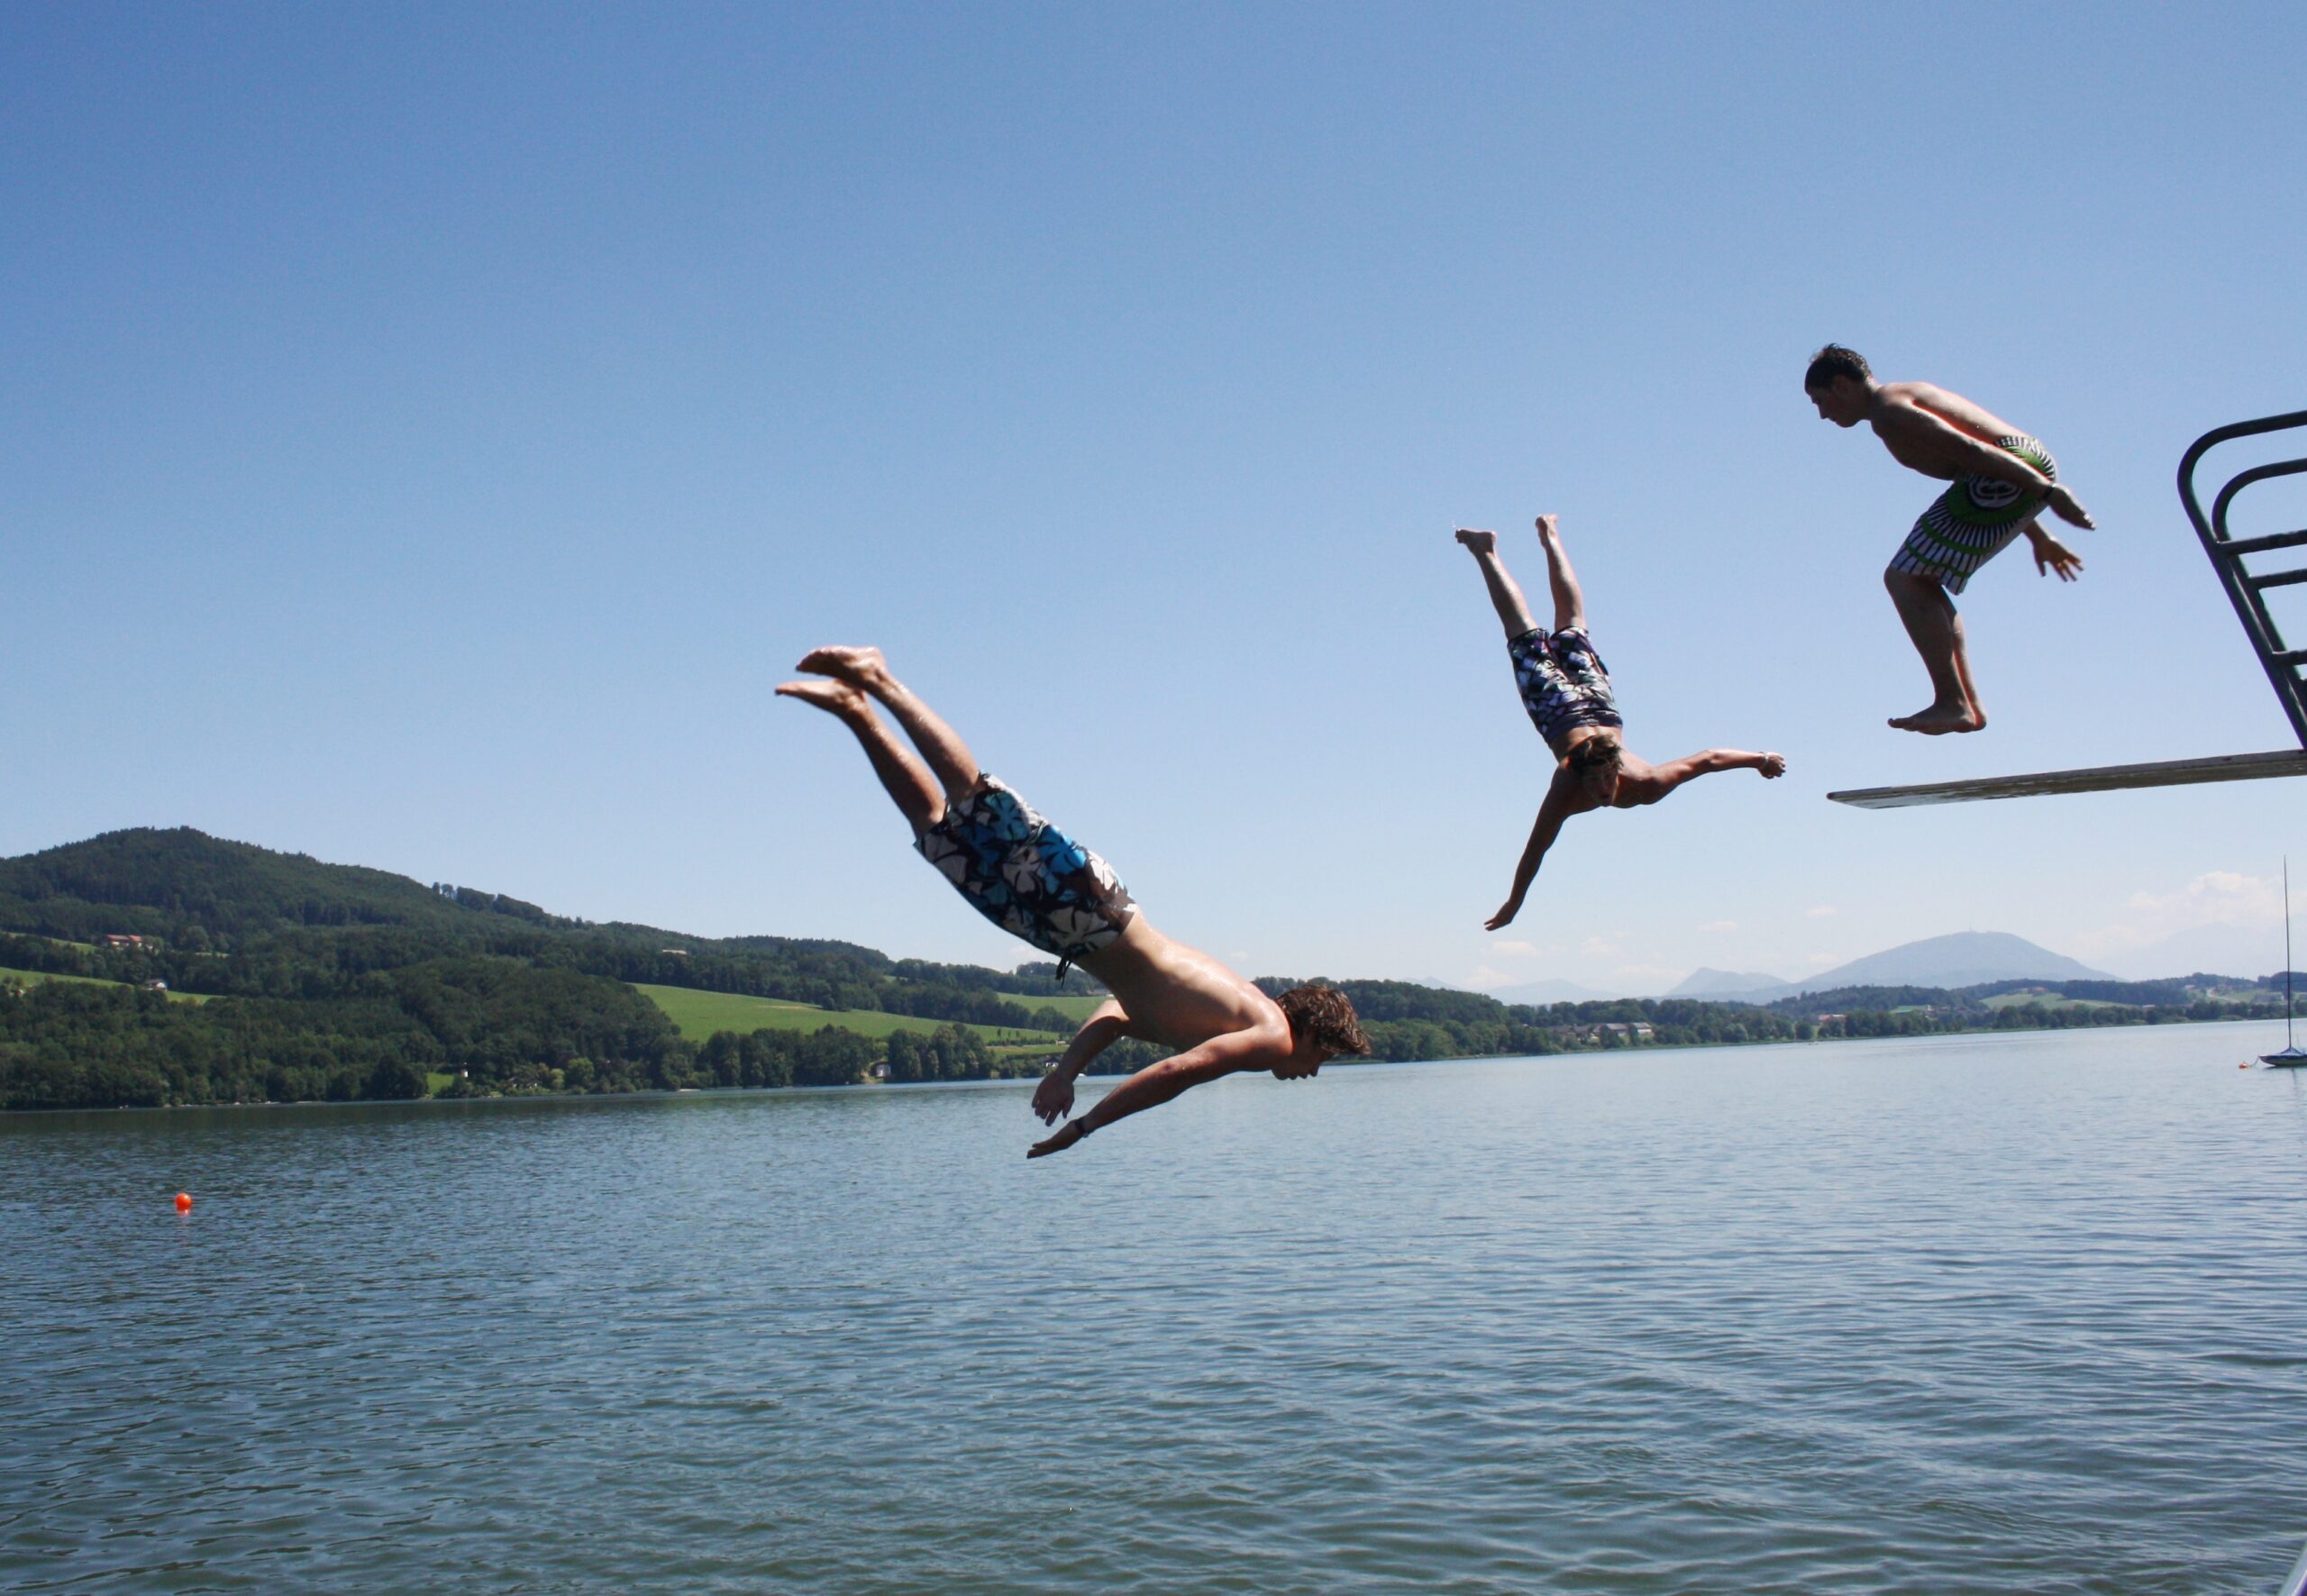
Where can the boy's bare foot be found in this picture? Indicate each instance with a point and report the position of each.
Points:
(1549, 526)
(1481, 542)
(1941, 719)
(834, 698)
(859, 667)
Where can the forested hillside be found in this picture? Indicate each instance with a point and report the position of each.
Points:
(334, 981)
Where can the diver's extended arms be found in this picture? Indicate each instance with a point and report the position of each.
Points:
(1690, 766)
(1250, 1048)
(1108, 1024)
(1543, 831)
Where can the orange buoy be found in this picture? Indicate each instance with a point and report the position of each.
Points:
(183, 1202)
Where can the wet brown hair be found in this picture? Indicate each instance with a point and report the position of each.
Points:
(1833, 362)
(1598, 753)
(1324, 1016)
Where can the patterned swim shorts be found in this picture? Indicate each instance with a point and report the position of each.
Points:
(1564, 683)
(1026, 876)
(1973, 521)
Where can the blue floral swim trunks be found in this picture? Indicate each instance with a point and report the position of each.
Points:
(1026, 876)
(1563, 682)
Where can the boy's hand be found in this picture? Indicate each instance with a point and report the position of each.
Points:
(2051, 555)
(1773, 766)
(1504, 916)
(2068, 508)
(1073, 1132)
(1053, 1097)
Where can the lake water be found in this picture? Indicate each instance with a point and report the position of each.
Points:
(2023, 1313)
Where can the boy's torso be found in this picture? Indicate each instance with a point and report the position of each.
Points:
(1176, 995)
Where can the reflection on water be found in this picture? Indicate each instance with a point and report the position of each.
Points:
(2009, 1314)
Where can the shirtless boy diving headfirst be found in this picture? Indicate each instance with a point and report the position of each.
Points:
(2001, 478)
(1035, 882)
(1567, 691)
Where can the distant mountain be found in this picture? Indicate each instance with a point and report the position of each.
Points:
(1704, 982)
(1964, 959)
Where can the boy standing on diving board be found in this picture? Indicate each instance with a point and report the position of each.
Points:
(2001, 478)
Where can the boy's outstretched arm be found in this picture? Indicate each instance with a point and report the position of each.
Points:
(1543, 831)
(1108, 1024)
(1690, 766)
(1157, 1083)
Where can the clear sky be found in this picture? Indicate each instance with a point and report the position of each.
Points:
(428, 434)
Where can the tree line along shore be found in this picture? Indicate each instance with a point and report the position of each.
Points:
(337, 983)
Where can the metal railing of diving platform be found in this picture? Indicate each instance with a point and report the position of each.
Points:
(2245, 590)
(2228, 552)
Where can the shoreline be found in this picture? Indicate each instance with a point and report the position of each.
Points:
(715, 1093)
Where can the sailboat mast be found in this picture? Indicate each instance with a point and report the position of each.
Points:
(2287, 950)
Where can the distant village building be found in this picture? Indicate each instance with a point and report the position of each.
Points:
(113, 939)
(156, 986)
(675, 952)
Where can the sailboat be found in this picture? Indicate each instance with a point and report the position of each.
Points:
(2293, 1055)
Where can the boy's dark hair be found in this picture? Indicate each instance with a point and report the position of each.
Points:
(1324, 1016)
(1598, 752)
(1833, 362)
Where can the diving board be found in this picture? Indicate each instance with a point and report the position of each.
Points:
(2245, 590)
(2169, 772)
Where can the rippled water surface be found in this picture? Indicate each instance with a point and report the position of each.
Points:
(2014, 1314)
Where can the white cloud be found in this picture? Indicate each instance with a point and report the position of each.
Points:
(2217, 898)
(1719, 925)
(1819, 911)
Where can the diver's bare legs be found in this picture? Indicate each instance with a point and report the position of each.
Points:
(864, 669)
(1937, 631)
(908, 782)
(1505, 596)
(1569, 599)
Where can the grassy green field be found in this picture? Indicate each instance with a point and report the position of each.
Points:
(32, 978)
(2046, 1001)
(1075, 1009)
(700, 1014)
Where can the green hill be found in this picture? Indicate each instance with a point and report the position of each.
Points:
(356, 983)
(349, 983)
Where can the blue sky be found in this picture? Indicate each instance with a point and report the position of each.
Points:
(428, 434)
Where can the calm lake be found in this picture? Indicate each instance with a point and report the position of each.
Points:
(2022, 1313)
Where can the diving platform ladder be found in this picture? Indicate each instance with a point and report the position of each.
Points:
(2246, 589)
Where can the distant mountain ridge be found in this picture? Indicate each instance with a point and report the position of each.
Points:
(1959, 959)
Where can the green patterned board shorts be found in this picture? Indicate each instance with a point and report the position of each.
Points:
(1970, 523)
